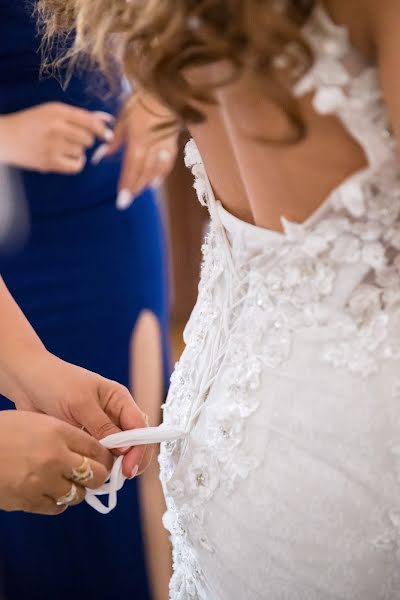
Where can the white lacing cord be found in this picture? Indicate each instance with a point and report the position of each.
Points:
(134, 437)
(161, 434)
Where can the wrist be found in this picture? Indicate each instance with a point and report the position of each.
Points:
(5, 138)
(21, 372)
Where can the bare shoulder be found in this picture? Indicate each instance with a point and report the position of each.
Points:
(369, 21)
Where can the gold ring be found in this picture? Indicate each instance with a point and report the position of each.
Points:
(69, 498)
(84, 473)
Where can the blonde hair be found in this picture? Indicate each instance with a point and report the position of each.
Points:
(157, 42)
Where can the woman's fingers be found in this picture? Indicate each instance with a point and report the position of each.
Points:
(43, 506)
(66, 493)
(83, 444)
(78, 135)
(149, 172)
(134, 162)
(96, 472)
(70, 165)
(97, 124)
(74, 150)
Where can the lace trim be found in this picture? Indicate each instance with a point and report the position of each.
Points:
(285, 289)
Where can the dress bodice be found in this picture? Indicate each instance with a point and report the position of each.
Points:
(331, 284)
(344, 259)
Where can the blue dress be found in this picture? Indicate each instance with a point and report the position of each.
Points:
(82, 278)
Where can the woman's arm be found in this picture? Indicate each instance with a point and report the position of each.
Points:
(36, 380)
(19, 346)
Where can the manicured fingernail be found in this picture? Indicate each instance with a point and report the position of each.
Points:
(134, 472)
(105, 116)
(108, 135)
(99, 154)
(124, 199)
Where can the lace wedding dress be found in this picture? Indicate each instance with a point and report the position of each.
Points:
(286, 485)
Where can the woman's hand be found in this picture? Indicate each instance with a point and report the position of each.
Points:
(38, 381)
(52, 137)
(38, 455)
(150, 153)
(83, 399)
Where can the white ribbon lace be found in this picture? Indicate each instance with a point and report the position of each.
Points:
(134, 437)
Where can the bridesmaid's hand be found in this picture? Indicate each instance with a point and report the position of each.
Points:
(38, 455)
(83, 399)
(150, 152)
(52, 137)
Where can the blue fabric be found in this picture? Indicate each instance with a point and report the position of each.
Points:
(83, 277)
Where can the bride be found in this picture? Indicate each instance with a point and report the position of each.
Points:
(286, 484)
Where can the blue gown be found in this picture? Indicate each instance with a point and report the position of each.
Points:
(82, 278)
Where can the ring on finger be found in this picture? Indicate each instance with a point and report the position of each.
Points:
(68, 498)
(84, 473)
(164, 155)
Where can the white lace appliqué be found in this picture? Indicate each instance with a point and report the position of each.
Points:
(298, 284)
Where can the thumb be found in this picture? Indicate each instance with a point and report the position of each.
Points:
(96, 421)
(125, 414)
(111, 147)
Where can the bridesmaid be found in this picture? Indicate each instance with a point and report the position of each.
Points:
(91, 279)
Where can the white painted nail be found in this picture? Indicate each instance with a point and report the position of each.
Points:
(105, 116)
(108, 135)
(124, 199)
(99, 154)
(134, 472)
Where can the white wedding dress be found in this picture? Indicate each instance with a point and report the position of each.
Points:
(286, 484)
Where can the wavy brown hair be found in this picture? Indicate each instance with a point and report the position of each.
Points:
(160, 41)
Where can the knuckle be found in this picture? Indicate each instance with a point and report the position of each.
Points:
(54, 127)
(33, 481)
(88, 141)
(48, 459)
(58, 430)
(103, 430)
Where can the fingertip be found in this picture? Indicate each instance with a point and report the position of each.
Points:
(123, 451)
(133, 458)
(108, 135)
(134, 472)
(124, 199)
(105, 116)
(100, 153)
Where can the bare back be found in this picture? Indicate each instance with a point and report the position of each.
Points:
(261, 182)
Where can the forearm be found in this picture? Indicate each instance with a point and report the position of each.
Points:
(5, 141)
(19, 346)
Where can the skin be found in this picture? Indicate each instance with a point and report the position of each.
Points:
(61, 135)
(259, 183)
(54, 138)
(149, 155)
(51, 137)
(73, 407)
(37, 456)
